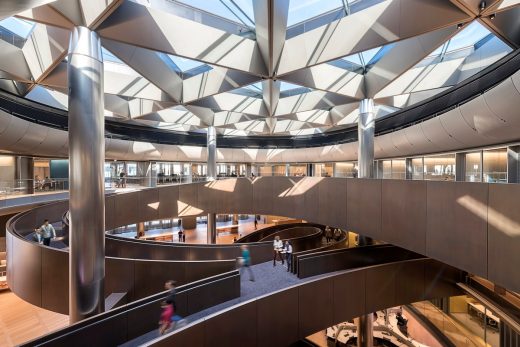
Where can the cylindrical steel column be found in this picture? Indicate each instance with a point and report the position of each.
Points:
(212, 228)
(366, 127)
(87, 193)
(212, 153)
(364, 331)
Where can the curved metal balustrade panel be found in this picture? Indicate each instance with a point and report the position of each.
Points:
(302, 238)
(289, 315)
(39, 274)
(316, 263)
(124, 323)
(471, 226)
(468, 89)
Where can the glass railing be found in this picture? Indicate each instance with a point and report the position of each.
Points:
(28, 187)
(455, 330)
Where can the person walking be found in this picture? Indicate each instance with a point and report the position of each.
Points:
(165, 321)
(47, 231)
(246, 261)
(328, 234)
(288, 254)
(256, 223)
(277, 250)
(122, 179)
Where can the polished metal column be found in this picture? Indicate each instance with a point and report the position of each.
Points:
(366, 127)
(87, 193)
(365, 336)
(212, 175)
(212, 228)
(212, 153)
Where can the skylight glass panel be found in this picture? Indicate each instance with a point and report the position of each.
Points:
(302, 10)
(468, 36)
(255, 87)
(18, 26)
(108, 56)
(354, 58)
(185, 64)
(239, 11)
(285, 86)
(368, 55)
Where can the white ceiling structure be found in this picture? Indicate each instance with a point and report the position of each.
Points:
(256, 67)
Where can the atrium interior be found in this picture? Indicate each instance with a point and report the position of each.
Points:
(260, 173)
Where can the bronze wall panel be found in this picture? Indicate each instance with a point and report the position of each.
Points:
(202, 297)
(316, 306)
(457, 225)
(439, 280)
(277, 323)
(349, 296)
(160, 272)
(504, 235)
(148, 204)
(284, 198)
(28, 221)
(119, 277)
(202, 269)
(188, 200)
(241, 200)
(27, 262)
(364, 207)
(126, 207)
(55, 280)
(263, 195)
(333, 202)
(310, 190)
(380, 287)
(232, 328)
(209, 197)
(213, 253)
(110, 213)
(168, 197)
(413, 287)
(404, 214)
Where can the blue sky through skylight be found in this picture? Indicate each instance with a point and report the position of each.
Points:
(301, 10)
(18, 26)
(468, 36)
(240, 11)
(185, 64)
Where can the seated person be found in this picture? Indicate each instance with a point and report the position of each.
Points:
(47, 183)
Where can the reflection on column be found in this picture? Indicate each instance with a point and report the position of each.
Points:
(212, 153)
(366, 126)
(86, 173)
(212, 228)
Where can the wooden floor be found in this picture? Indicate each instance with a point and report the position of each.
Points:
(21, 321)
(199, 235)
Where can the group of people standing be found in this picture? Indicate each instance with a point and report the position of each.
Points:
(45, 233)
(282, 250)
(332, 234)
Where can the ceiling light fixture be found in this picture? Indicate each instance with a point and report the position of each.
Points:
(482, 5)
(492, 16)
